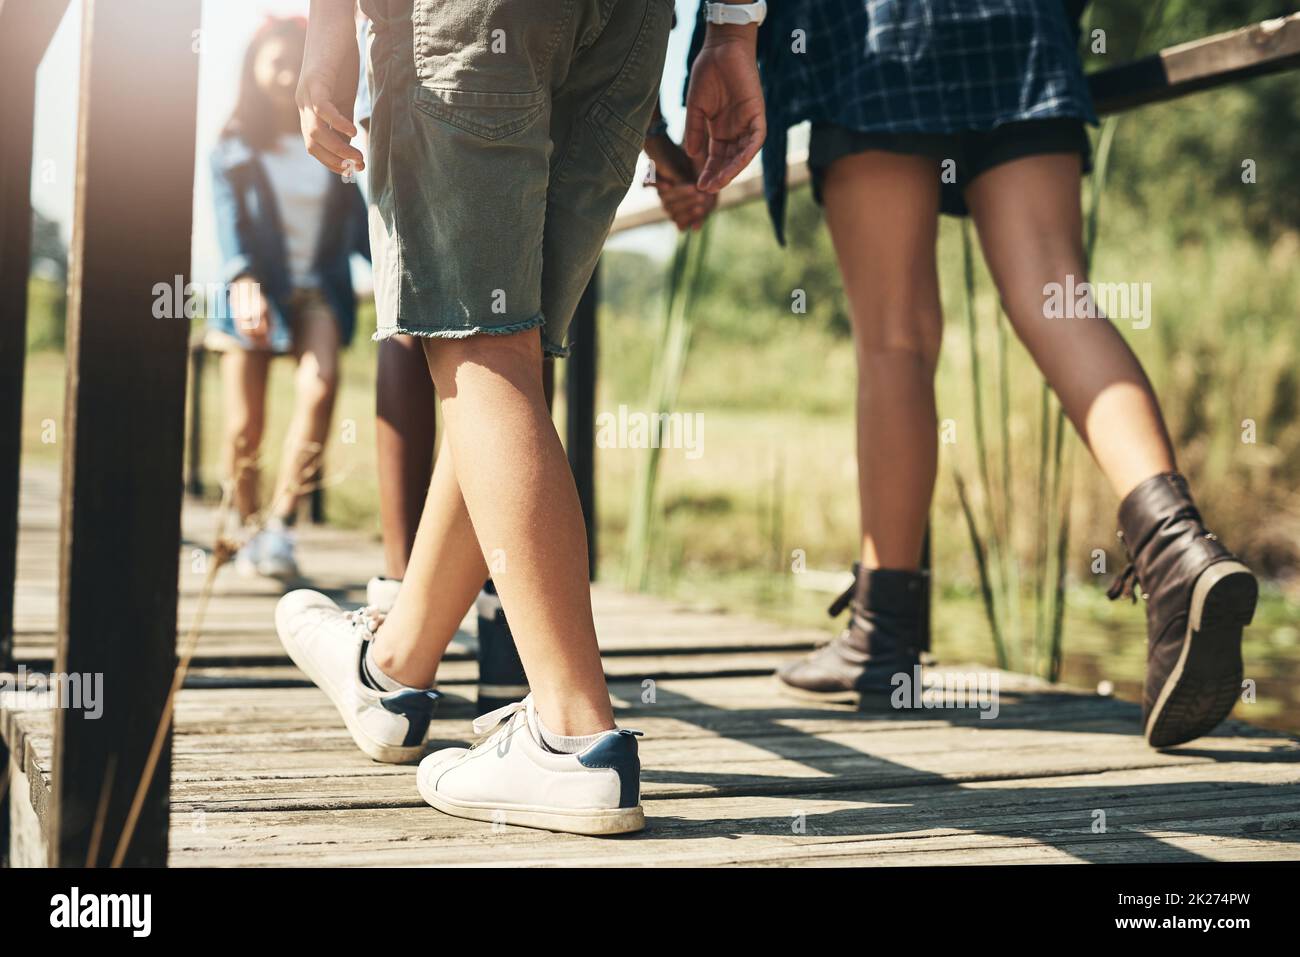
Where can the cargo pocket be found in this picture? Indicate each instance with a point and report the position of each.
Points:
(620, 142)
(497, 45)
(490, 116)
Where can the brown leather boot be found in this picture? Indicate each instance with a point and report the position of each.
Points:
(1199, 598)
(884, 637)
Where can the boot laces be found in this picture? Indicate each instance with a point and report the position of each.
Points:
(839, 604)
(1123, 585)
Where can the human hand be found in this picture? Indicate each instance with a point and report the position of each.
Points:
(673, 176)
(251, 311)
(725, 120)
(327, 87)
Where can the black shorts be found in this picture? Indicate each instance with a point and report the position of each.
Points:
(974, 152)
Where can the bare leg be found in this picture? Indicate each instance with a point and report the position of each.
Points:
(1030, 226)
(243, 379)
(406, 436)
(316, 341)
(405, 431)
(444, 573)
(520, 495)
(882, 210)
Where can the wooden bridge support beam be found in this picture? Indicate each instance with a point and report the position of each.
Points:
(124, 427)
(580, 410)
(26, 28)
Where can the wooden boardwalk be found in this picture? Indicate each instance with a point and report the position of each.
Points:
(264, 773)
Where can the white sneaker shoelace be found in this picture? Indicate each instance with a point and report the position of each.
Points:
(367, 617)
(488, 722)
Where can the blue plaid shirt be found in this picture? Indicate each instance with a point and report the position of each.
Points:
(914, 66)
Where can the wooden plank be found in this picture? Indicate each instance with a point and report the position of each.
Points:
(124, 423)
(25, 844)
(463, 672)
(1225, 812)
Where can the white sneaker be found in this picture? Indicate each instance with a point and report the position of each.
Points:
(329, 644)
(510, 778)
(275, 558)
(381, 593)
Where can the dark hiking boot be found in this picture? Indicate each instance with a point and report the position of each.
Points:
(884, 637)
(1199, 598)
(501, 678)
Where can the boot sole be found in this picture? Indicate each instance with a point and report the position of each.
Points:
(831, 697)
(593, 823)
(1206, 680)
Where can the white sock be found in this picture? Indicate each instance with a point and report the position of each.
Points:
(376, 674)
(566, 743)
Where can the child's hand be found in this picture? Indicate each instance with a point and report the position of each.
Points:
(725, 122)
(674, 176)
(251, 312)
(671, 165)
(327, 87)
(686, 204)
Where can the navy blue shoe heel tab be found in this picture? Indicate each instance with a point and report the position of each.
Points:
(619, 752)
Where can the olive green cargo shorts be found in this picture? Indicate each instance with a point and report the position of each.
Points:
(503, 136)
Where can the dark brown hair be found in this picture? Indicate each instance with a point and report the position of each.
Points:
(254, 119)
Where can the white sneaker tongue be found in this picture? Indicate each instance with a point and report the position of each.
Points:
(535, 728)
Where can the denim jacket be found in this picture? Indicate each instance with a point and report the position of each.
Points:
(252, 241)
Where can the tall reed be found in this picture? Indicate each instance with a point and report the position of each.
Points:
(1023, 638)
(684, 280)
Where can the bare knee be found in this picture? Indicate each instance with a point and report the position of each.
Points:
(900, 332)
(516, 357)
(244, 433)
(1049, 277)
(317, 382)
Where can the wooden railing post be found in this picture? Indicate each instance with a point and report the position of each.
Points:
(194, 448)
(124, 428)
(580, 410)
(26, 27)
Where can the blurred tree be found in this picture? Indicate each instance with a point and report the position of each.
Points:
(47, 304)
(48, 250)
(1187, 156)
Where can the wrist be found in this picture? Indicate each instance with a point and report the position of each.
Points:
(719, 34)
(737, 19)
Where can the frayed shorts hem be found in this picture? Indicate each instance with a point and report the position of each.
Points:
(550, 349)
